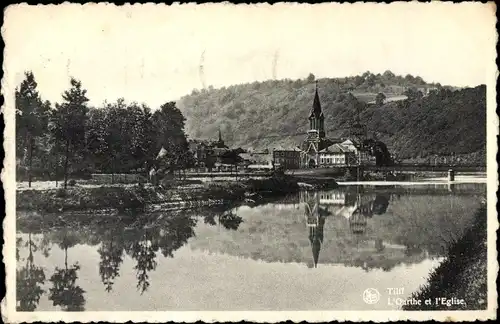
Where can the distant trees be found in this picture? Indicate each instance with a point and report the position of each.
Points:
(78, 139)
(311, 78)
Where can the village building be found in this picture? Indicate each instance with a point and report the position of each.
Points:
(209, 154)
(337, 155)
(199, 150)
(286, 157)
(258, 160)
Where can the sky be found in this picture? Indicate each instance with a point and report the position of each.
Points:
(152, 53)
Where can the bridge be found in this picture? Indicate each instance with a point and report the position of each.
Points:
(400, 168)
(425, 167)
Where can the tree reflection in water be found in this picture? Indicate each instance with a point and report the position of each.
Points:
(165, 232)
(225, 215)
(65, 293)
(144, 252)
(230, 220)
(111, 257)
(29, 280)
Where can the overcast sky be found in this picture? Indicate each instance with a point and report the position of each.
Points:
(152, 53)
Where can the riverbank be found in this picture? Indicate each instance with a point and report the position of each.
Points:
(139, 197)
(462, 275)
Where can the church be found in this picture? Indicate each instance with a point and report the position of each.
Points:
(321, 151)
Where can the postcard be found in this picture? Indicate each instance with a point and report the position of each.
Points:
(259, 162)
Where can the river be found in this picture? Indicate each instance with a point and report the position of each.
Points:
(309, 251)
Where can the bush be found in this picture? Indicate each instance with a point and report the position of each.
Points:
(61, 193)
(72, 182)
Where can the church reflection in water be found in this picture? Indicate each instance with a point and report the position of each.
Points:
(353, 206)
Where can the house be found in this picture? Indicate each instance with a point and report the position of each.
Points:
(199, 150)
(287, 158)
(337, 155)
(209, 153)
(258, 160)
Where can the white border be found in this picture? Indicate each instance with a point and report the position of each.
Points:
(10, 315)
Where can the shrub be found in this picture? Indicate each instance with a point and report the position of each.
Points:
(61, 193)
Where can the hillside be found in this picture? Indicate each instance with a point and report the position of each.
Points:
(265, 114)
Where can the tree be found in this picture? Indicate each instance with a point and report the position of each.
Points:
(419, 81)
(379, 99)
(388, 75)
(358, 80)
(370, 80)
(310, 78)
(31, 120)
(69, 120)
(413, 93)
(409, 79)
(168, 124)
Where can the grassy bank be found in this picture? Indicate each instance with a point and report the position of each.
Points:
(463, 274)
(78, 198)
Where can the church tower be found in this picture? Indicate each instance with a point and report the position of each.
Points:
(316, 118)
(316, 134)
(220, 142)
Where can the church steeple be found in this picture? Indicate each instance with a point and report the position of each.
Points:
(316, 118)
(316, 109)
(220, 143)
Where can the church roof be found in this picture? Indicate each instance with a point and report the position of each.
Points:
(287, 148)
(336, 148)
(316, 108)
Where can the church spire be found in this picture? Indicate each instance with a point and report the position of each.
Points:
(316, 109)
(316, 118)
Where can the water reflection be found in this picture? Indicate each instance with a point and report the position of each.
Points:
(354, 206)
(354, 227)
(419, 225)
(225, 216)
(64, 291)
(30, 279)
(111, 256)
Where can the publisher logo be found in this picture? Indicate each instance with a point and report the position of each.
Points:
(371, 296)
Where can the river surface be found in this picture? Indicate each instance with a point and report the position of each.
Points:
(309, 251)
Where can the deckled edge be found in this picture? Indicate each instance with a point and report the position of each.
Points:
(9, 315)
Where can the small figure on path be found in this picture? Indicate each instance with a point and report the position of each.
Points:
(152, 176)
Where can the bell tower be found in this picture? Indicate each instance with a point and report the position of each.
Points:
(316, 118)
(315, 135)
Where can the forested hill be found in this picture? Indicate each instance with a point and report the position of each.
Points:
(433, 120)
